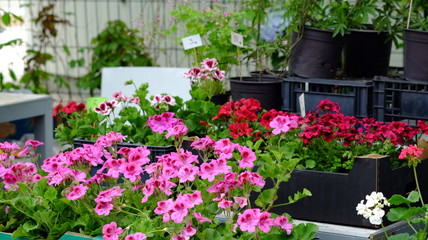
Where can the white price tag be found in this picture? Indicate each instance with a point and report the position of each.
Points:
(237, 39)
(302, 105)
(192, 41)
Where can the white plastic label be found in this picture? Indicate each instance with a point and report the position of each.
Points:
(302, 105)
(192, 41)
(237, 39)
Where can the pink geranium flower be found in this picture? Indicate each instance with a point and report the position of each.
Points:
(282, 222)
(77, 192)
(249, 220)
(282, 124)
(111, 231)
(136, 236)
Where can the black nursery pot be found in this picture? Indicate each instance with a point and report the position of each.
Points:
(316, 54)
(220, 99)
(416, 55)
(267, 90)
(366, 53)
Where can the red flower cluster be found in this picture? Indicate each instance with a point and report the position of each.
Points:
(239, 114)
(331, 124)
(71, 107)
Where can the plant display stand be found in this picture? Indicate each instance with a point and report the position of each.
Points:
(339, 232)
(336, 195)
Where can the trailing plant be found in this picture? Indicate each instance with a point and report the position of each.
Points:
(35, 76)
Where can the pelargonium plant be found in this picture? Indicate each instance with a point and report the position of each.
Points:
(123, 194)
(332, 140)
(403, 208)
(208, 79)
(125, 114)
(324, 139)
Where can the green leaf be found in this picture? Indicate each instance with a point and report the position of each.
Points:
(299, 195)
(304, 231)
(50, 194)
(413, 197)
(66, 50)
(211, 234)
(6, 18)
(397, 199)
(266, 197)
(398, 214)
(402, 236)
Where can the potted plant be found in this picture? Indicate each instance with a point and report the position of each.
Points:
(372, 29)
(333, 155)
(214, 25)
(399, 207)
(318, 26)
(182, 199)
(263, 87)
(207, 82)
(129, 115)
(415, 39)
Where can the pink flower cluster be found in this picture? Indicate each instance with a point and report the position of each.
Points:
(412, 153)
(11, 173)
(166, 122)
(105, 198)
(19, 172)
(251, 219)
(111, 231)
(163, 99)
(209, 70)
(106, 107)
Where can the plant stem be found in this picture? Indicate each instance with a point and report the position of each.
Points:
(384, 231)
(410, 13)
(417, 185)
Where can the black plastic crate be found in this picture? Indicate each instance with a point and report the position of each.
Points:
(353, 96)
(397, 99)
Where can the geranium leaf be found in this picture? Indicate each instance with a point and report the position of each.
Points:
(413, 197)
(402, 236)
(304, 231)
(398, 214)
(50, 194)
(299, 195)
(397, 199)
(266, 197)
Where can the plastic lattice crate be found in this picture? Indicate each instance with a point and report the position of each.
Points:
(303, 94)
(397, 99)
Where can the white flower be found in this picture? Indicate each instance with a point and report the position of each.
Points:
(373, 208)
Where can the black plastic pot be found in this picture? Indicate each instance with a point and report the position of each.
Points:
(220, 99)
(316, 54)
(265, 89)
(366, 53)
(415, 55)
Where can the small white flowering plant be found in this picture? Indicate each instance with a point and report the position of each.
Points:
(372, 209)
(401, 208)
